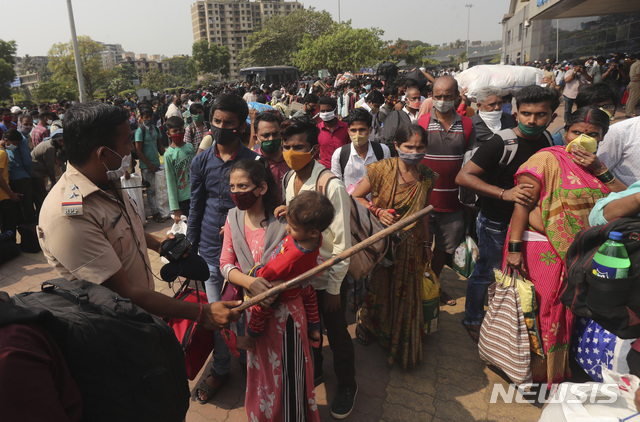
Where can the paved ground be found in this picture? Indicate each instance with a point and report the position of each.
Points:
(452, 384)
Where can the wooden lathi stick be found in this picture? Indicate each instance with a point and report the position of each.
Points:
(336, 259)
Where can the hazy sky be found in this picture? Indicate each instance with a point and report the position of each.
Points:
(164, 26)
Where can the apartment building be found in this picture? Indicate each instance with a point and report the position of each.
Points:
(229, 22)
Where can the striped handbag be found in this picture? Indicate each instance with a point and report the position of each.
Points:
(504, 338)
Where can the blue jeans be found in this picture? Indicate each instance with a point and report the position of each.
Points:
(221, 355)
(491, 238)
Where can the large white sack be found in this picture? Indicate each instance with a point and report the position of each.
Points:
(506, 77)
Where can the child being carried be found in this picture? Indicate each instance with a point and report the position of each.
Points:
(308, 215)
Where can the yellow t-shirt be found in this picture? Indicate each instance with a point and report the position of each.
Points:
(4, 167)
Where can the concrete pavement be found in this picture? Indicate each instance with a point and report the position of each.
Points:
(452, 384)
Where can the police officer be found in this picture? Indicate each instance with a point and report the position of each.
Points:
(89, 228)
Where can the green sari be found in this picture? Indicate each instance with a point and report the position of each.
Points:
(392, 310)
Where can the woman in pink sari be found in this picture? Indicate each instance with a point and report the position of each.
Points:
(566, 186)
(279, 370)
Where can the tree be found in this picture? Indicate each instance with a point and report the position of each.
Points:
(119, 84)
(27, 65)
(155, 80)
(211, 58)
(419, 55)
(7, 60)
(341, 49)
(62, 64)
(55, 90)
(183, 69)
(462, 57)
(395, 52)
(126, 71)
(281, 36)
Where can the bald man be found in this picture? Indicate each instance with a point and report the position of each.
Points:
(447, 143)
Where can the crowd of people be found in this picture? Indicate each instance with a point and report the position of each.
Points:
(264, 175)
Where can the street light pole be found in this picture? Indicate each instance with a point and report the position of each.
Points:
(468, 6)
(76, 54)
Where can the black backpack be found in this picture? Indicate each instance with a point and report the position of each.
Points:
(127, 363)
(345, 151)
(612, 303)
(387, 70)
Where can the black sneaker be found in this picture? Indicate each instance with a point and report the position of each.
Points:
(344, 401)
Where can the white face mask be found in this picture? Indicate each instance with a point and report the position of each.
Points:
(113, 175)
(492, 119)
(443, 106)
(10, 147)
(327, 116)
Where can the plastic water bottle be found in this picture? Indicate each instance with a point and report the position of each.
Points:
(612, 260)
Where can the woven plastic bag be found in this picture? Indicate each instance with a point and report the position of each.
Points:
(504, 338)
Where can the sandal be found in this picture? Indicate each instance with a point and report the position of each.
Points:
(473, 330)
(445, 299)
(229, 338)
(363, 335)
(210, 390)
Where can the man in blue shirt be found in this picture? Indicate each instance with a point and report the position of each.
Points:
(20, 173)
(210, 202)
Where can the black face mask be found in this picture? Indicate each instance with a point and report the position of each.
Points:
(224, 136)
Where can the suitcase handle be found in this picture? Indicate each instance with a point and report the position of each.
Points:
(79, 294)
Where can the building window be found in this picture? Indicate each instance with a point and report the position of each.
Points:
(508, 37)
(520, 32)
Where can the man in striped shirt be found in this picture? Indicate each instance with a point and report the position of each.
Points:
(447, 143)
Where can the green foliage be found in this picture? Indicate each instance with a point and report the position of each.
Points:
(281, 36)
(7, 60)
(462, 57)
(62, 65)
(55, 90)
(126, 92)
(412, 52)
(496, 58)
(126, 71)
(341, 49)
(183, 69)
(27, 65)
(119, 84)
(211, 58)
(155, 80)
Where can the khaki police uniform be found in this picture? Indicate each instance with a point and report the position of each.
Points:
(87, 233)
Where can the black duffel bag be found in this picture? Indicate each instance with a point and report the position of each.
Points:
(612, 303)
(127, 363)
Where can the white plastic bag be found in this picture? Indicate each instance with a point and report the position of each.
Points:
(162, 194)
(465, 257)
(610, 401)
(135, 192)
(508, 78)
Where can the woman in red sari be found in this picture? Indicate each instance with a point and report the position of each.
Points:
(566, 185)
